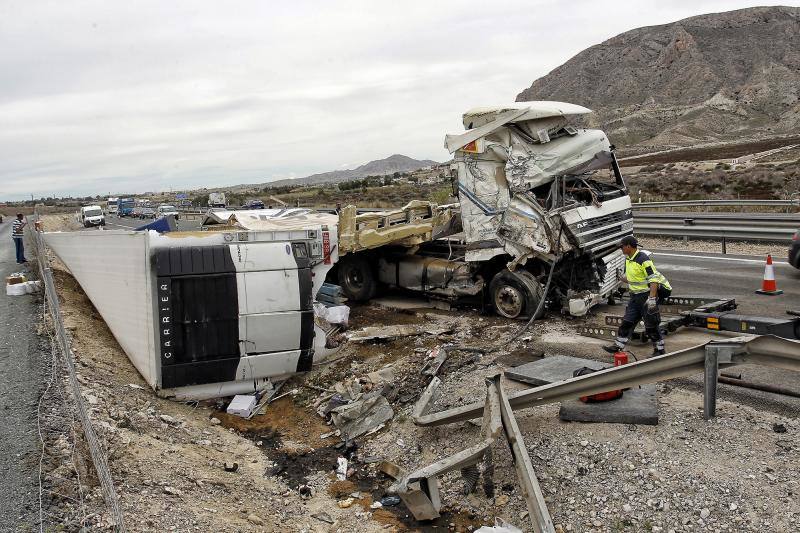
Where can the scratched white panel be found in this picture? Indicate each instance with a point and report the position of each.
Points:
(112, 269)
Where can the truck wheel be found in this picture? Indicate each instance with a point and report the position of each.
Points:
(515, 294)
(357, 278)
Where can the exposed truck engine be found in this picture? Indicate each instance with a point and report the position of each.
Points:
(532, 207)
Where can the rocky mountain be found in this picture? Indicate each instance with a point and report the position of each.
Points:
(380, 167)
(719, 76)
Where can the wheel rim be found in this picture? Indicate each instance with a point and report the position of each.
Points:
(354, 278)
(508, 301)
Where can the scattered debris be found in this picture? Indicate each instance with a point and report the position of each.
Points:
(500, 526)
(338, 315)
(323, 517)
(386, 333)
(19, 288)
(391, 470)
(344, 504)
(231, 467)
(389, 501)
(434, 361)
(242, 405)
(341, 469)
(332, 295)
(167, 419)
(779, 428)
(357, 418)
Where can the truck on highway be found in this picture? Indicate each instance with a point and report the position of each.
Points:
(542, 207)
(216, 199)
(125, 207)
(111, 206)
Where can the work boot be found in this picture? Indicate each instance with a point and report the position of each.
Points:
(658, 351)
(612, 348)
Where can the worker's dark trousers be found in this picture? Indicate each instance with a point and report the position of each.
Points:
(636, 311)
(20, 249)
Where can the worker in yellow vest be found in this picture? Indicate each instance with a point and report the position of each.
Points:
(647, 287)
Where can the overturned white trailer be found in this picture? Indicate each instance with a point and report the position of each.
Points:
(206, 314)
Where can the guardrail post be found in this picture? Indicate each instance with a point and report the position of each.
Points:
(710, 383)
(724, 245)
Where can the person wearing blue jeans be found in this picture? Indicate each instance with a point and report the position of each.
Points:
(17, 234)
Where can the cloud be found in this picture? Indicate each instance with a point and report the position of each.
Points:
(100, 97)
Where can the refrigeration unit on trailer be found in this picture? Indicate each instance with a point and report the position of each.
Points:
(207, 314)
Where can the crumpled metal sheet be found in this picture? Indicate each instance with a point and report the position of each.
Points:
(531, 165)
(357, 418)
(415, 223)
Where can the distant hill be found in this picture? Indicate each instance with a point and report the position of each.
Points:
(720, 76)
(381, 167)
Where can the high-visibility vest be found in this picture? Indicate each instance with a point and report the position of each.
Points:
(641, 272)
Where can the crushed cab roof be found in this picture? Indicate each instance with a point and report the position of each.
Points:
(533, 110)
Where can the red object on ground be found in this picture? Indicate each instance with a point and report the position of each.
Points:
(620, 358)
(768, 285)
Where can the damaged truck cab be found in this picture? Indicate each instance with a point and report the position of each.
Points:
(539, 200)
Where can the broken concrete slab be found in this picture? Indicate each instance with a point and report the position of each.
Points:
(637, 406)
(393, 332)
(551, 369)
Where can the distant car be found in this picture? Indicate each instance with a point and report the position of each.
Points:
(254, 204)
(794, 250)
(147, 211)
(164, 210)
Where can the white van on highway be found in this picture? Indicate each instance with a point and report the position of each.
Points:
(92, 215)
(164, 210)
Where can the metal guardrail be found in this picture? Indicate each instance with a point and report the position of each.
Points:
(749, 226)
(96, 453)
(717, 203)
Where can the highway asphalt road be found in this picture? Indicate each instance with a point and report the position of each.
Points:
(22, 379)
(731, 276)
(113, 222)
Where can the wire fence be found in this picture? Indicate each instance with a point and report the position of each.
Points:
(73, 413)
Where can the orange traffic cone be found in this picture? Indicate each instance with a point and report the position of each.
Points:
(768, 286)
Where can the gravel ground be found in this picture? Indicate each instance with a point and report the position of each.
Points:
(778, 251)
(22, 376)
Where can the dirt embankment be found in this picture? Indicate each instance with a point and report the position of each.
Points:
(168, 458)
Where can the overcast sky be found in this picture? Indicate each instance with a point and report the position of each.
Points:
(100, 96)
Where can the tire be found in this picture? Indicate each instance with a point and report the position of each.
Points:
(515, 294)
(357, 278)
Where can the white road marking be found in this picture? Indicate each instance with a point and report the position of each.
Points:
(671, 266)
(734, 259)
(119, 225)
